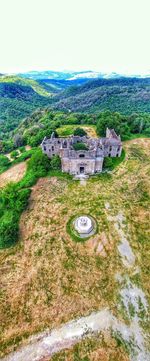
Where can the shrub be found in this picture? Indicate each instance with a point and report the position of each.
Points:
(80, 146)
(8, 229)
(56, 162)
(14, 154)
(11, 198)
(147, 131)
(22, 149)
(80, 132)
(26, 155)
(111, 163)
(108, 163)
(39, 163)
(4, 163)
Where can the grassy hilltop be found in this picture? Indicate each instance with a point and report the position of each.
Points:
(48, 278)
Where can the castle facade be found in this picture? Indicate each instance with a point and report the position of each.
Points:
(87, 161)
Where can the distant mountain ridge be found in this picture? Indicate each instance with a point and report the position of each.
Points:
(72, 75)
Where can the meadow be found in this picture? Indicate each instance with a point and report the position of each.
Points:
(48, 278)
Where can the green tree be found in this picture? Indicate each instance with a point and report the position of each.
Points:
(56, 162)
(14, 154)
(4, 161)
(39, 163)
(113, 121)
(80, 132)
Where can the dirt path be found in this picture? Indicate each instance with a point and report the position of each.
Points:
(45, 344)
(13, 174)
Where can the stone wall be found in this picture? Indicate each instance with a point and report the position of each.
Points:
(79, 165)
(83, 161)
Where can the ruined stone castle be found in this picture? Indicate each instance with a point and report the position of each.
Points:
(87, 161)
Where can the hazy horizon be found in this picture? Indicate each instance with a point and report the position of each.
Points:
(99, 35)
(146, 73)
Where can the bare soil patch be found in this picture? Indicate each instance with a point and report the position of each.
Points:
(13, 174)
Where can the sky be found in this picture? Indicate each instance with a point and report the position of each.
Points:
(100, 35)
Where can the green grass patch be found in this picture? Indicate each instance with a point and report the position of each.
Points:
(66, 130)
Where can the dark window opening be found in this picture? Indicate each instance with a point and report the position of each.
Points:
(81, 155)
(64, 144)
(109, 155)
(81, 170)
(44, 148)
(52, 147)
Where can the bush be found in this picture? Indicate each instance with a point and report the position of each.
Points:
(111, 163)
(4, 163)
(39, 163)
(108, 163)
(147, 131)
(56, 162)
(80, 132)
(11, 198)
(22, 149)
(14, 154)
(80, 146)
(26, 155)
(8, 229)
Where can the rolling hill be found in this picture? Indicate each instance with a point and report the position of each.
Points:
(126, 95)
(18, 99)
(71, 92)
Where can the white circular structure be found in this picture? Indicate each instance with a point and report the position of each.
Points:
(83, 225)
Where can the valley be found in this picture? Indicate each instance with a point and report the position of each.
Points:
(20, 96)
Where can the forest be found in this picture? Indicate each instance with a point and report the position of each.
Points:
(41, 123)
(20, 97)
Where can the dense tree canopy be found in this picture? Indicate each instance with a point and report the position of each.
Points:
(80, 132)
(112, 121)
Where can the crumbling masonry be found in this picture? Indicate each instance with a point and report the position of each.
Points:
(83, 161)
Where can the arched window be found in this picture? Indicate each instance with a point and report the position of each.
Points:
(81, 155)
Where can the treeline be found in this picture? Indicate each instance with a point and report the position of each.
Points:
(43, 122)
(124, 95)
(15, 195)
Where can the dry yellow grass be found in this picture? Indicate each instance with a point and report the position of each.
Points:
(91, 131)
(13, 174)
(99, 348)
(47, 278)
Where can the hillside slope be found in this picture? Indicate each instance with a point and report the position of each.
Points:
(48, 279)
(125, 95)
(18, 99)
